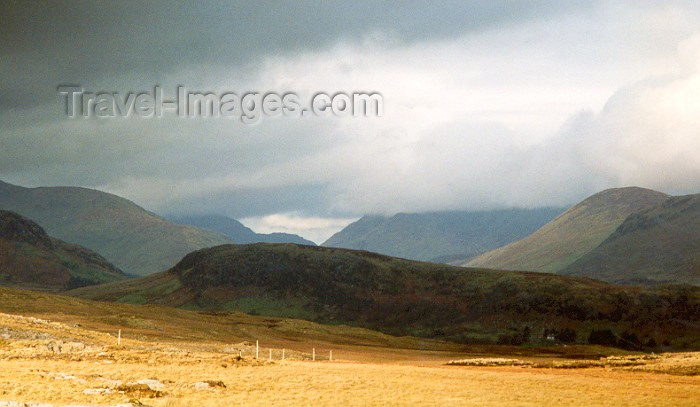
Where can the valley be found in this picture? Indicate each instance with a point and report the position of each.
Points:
(63, 351)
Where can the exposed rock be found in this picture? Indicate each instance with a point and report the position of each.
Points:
(153, 384)
(92, 392)
(201, 386)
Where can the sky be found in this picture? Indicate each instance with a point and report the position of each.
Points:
(487, 104)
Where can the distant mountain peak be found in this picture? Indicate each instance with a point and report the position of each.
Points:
(572, 234)
(443, 237)
(624, 195)
(236, 231)
(660, 244)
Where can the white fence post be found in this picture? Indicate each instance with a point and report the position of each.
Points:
(313, 354)
(270, 359)
(119, 338)
(283, 354)
(331, 356)
(257, 349)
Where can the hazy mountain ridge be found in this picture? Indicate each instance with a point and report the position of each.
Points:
(30, 258)
(135, 240)
(572, 234)
(236, 231)
(440, 236)
(402, 297)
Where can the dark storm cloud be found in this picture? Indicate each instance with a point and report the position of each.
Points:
(126, 46)
(46, 43)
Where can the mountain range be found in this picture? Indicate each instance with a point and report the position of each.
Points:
(132, 238)
(624, 235)
(441, 236)
(30, 258)
(236, 231)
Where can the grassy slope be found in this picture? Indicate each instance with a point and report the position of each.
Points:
(151, 322)
(406, 297)
(572, 234)
(659, 245)
(135, 240)
(440, 236)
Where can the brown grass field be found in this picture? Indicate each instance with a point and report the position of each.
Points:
(62, 351)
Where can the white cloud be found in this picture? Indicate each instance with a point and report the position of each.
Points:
(477, 122)
(648, 134)
(316, 229)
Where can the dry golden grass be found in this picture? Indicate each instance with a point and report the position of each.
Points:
(342, 383)
(64, 364)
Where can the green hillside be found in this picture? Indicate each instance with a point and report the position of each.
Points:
(440, 236)
(657, 245)
(30, 258)
(405, 297)
(572, 234)
(135, 240)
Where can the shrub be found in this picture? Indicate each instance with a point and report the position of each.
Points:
(566, 335)
(516, 339)
(630, 341)
(604, 337)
